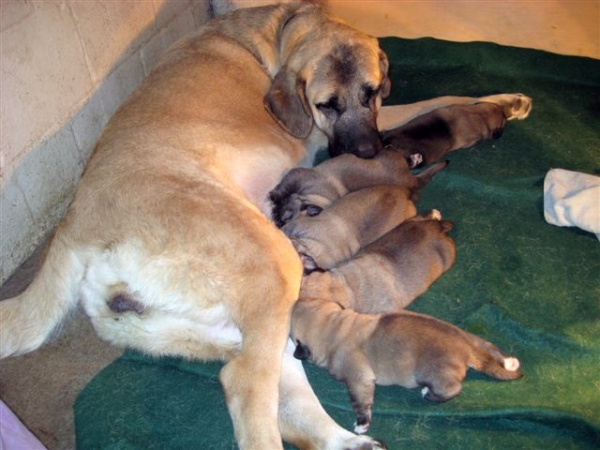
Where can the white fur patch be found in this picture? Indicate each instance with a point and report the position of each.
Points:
(361, 429)
(511, 364)
(424, 391)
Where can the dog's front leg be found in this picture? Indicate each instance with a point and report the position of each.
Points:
(303, 421)
(515, 106)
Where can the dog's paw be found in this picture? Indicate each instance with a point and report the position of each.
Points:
(415, 160)
(350, 441)
(511, 364)
(434, 214)
(514, 106)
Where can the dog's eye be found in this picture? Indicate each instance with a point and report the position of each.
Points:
(329, 107)
(368, 95)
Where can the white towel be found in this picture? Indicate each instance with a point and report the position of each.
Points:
(572, 199)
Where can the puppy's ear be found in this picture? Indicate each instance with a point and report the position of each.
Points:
(286, 101)
(446, 225)
(386, 84)
(302, 352)
(310, 265)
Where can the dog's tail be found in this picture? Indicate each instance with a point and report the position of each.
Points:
(27, 320)
(489, 359)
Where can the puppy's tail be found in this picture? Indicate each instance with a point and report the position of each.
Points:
(27, 320)
(488, 358)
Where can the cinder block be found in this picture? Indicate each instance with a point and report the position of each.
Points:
(13, 13)
(112, 31)
(43, 76)
(167, 10)
(88, 123)
(121, 82)
(48, 175)
(179, 27)
(16, 227)
(151, 51)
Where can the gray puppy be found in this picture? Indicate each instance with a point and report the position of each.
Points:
(403, 348)
(308, 191)
(388, 274)
(350, 223)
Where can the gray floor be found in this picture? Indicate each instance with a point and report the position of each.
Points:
(41, 387)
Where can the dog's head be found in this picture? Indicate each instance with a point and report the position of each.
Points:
(332, 79)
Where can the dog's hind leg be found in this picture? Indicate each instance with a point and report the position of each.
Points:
(303, 421)
(28, 320)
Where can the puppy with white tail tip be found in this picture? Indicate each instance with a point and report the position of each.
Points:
(403, 348)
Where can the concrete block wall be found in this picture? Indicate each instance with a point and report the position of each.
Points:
(65, 68)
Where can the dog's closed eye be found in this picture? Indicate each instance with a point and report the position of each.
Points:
(312, 210)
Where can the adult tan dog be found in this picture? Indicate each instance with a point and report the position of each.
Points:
(168, 244)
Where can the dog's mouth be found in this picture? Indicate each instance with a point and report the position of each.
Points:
(363, 148)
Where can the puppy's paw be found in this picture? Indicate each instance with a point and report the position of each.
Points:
(434, 214)
(511, 364)
(361, 429)
(514, 106)
(415, 160)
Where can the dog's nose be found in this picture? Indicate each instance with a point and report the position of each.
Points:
(368, 149)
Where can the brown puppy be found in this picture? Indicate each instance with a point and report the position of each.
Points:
(404, 348)
(307, 191)
(350, 223)
(428, 137)
(388, 274)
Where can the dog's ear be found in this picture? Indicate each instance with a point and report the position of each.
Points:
(302, 352)
(386, 84)
(286, 101)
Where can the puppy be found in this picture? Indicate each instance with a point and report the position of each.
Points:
(429, 137)
(350, 223)
(404, 348)
(388, 274)
(306, 191)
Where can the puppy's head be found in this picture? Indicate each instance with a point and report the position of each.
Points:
(299, 193)
(333, 79)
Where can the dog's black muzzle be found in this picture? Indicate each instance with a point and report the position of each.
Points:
(359, 137)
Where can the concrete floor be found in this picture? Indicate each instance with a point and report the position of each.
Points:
(41, 387)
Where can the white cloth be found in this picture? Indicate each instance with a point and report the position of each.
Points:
(572, 199)
(13, 434)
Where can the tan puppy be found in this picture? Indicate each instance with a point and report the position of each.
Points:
(168, 244)
(350, 223)
(404, 348)
(307, 191)
(388, 274)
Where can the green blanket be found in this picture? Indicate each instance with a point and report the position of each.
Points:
(530, 287)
